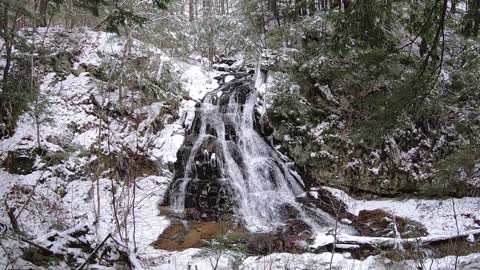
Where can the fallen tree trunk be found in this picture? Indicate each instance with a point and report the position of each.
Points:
(346, 239)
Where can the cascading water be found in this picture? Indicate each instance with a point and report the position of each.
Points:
(227, 168)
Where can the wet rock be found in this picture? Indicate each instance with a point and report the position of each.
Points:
(235, 153)
(230, 134)
(178, 237)
(192, 214)
(323, 199)
(267, 243)
(266, 128)
(287, 211)
(209, 200)
(299, 228)
(293, 237)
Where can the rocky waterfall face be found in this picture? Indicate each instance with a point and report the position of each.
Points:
(227, 169)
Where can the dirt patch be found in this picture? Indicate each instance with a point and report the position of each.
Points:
(178, 237)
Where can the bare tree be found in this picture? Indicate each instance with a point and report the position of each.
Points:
(43, 13)
(458, 232)
(191, 10)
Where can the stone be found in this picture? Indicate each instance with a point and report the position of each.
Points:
(178, 237)
(210, 199)
(298, 227)
(274, 242)
(323, 199)
(378, 223)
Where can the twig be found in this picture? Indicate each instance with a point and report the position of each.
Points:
(12, 218)
(94, 251)
(458, 232)
(30, 195)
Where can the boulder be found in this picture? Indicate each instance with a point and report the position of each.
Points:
(178, 237)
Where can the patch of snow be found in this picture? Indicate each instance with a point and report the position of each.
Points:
(197, 81)
(436, 215)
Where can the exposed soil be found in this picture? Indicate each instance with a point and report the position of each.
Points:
(178, 237)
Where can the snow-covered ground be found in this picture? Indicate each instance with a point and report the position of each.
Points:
(63, 195)
(439, 216)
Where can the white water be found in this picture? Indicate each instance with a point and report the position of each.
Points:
(261, 183)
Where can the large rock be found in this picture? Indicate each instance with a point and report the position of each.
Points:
(178, 237)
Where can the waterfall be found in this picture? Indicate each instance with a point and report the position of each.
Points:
(227, 167)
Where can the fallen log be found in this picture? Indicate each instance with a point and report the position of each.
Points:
(352, 240)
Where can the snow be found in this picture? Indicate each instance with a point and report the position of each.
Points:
(198, 82)
(74, 123)
(167, 144)
(149, 224)
(437, 215)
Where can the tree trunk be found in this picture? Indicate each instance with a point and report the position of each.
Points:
(8, 44)
(388, 20)
(182, 7)
(297, 10)
(12, 218)
(476, 15)
(311, 6)
(211, 48)
(43, 13)
(191, 10)
(274, 8)
(453, 8)
(196, 8)
(222, 7)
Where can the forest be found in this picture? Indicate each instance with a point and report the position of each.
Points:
(240, 134)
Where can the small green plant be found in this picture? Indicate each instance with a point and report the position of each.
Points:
(55, 158)
(449, 170)
(39, 257)
(15, 95)
(230, 246)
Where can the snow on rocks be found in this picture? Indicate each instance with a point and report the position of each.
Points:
(198, 82)
(436, 215)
